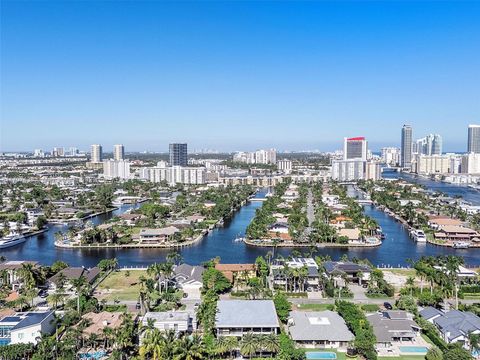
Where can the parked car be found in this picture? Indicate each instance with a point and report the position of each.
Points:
(387, 306)
(43, 294)
(138, 306)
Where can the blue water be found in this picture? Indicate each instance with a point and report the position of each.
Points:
(413, 349)
(320, 355)
(395, 250)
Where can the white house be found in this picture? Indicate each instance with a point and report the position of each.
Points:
(179, 321)
(27, 327)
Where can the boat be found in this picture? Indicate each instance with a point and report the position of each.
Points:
(11, 240)
(461, 245)
(239, 239)
(419, 236)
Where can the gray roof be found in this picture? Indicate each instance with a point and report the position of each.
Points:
(316, 326)
(72, 273)
(346, 267)
(430, 312)
(246, 313)
(185, 273)
(27, 319)
(392, 324)
(168, 316)
(457, 323)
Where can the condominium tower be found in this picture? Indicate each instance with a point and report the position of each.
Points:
(96, 154)
(355, 148)
(473, 138)
(178, 154)
(406, 147)
(118, 152)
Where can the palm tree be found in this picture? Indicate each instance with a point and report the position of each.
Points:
(270, 343)
(190, 348)
(249, 345)
(474, 340)
(152, 345)
(410, 283)
(79, 284)
(452, 266)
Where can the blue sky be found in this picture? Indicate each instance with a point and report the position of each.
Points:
(236, 75)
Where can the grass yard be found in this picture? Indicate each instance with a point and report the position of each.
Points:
(403, 357)
(315, 307)
(121, 287)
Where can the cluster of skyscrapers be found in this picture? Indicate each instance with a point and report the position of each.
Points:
(425, 155)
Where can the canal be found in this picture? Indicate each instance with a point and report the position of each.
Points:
(395, 250)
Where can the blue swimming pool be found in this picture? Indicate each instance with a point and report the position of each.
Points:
(413, 349)
(316, 355)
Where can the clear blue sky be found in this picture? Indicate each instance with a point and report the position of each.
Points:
(236, 75)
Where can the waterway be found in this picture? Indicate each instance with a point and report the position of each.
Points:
(395, 250)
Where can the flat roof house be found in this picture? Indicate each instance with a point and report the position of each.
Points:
(179, 321)
(347, 268)
(26, 327)
(239, 317)
(392, 327)
(154, 236)
(319, 329)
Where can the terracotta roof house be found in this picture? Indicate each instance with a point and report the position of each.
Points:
(232, 271)
(454, 233)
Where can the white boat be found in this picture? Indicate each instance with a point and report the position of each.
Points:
(461, 245)
(11, 240)
(419, 236)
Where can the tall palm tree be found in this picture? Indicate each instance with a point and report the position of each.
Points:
(270, 343)
(80, 285)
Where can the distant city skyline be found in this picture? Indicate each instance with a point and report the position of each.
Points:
(240, 76)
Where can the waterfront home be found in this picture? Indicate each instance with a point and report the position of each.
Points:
(277, 273)
(439, 221)
(454, 326)
(209, 204)
(322, 329)
(405, 202)
(347, 269)
(154, 236)
(330, 200)
(239, 317)
(70, 274)
(455, 233)
(195, 219)
(11, 270)
(279, 230)
(353, 235)
(67, 212)
(393, 328)
(26, 327)
(97, 322)
(235, 272)
(131, 219)
(189, 279)
(470, 209)
(182, 322)
(339, 221)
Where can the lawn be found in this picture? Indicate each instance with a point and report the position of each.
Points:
(119, 286)
(402, 357)
(315, 307)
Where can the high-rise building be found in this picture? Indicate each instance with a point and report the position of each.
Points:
(471, 163)
(429, 145)
(473, 139)
(118, 152)
(116, 169)
(178, 154)
(256, 157)
(58, 151)
(355, 148)
(38, 153)
(391, 156)
(285, 166)
(96, 154)
(348, 170)
(406, 147)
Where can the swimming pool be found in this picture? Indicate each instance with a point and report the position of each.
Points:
(413, 349)
(316, 355)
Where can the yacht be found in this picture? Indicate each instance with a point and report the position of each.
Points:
(419, 236)
(461, 245)
(11, 240)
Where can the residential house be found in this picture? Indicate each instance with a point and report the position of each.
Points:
(99, 321)
(347, 269)
(237, 271)
(319, 329)
(180, 321)
(277, 273)
(437, 222)
(26, 327)
(11, 270)
(393, 327)
(279, 230)
(454, 326)
(73, 273)
(456, 233)
(189, 279)
(154, 236)
(239, 317)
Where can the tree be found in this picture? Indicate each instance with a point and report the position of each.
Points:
(249, 345)
(41, 222)
(104, 195)
(215, 280)
(80, 285)
(282, 306)
(190, 348)
(456, 352)
(434, 353)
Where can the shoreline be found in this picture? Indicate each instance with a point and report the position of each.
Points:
(318, 246)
